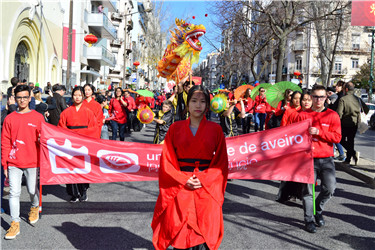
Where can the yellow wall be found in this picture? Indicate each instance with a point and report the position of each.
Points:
(42, 36)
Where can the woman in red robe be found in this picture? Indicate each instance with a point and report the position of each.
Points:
(292, 112)
(81, 120)
(94, 106)
(192, 180)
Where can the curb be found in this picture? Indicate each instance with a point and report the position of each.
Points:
(366, 177)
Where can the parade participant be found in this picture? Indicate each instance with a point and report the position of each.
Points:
(349, 110)
(164, 119)
(54, 114)
(325, 130)
(260, 110)
(80, 119)
(275, 115)
(229, 115)
(19, 155)
(94, 106)
(192, 180)
(102, 100)
(183, 90)
(249, 109)
(288, 189)
(292, 112)
(117, 111)
(129, 110)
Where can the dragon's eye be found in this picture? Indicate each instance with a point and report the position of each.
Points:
(187, 28)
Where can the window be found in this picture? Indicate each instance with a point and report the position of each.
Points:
(355, 63)
(356, 38)
(338, 67)
(299, 64)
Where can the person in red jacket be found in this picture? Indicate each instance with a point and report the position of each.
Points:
(130, 108)
(94, 106)
(117, 111)
(325, 131)
(192, 180)
(260, 110)
(19, 155)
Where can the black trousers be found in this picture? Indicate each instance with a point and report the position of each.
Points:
(198, 247)
(77, 190)
(347, 141)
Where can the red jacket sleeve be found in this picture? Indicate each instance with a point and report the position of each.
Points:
(6, 144)
(333, 135)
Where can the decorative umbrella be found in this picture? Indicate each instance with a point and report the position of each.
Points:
(145, 115)
(218, 103)
(255, 90)
(224, 91)
(131, 91)
(240, 91)
(276, 93)
(145, 93)
(216, 90)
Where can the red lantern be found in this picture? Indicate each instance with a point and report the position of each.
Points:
(91, 39)
(136, 64)
(297, 73)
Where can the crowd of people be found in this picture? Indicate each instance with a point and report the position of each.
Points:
(194, 162)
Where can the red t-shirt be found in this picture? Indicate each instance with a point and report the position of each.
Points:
(260, 104)
(19, 140)
(329, 125)
(117, 110)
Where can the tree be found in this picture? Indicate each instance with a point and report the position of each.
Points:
(361, 79)
(328, 32)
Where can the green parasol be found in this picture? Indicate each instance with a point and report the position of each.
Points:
(145, 93)
(255, 91)
(276, 93)
(216, 90)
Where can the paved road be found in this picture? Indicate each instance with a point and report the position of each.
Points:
(118, 216)
(365, 143)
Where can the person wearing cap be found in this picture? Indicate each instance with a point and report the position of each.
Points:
(54, 114)
(39, 88)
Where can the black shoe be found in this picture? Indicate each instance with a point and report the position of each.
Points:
(340, 158)
(310, 227)
(83, 198)
(319, 220)
(74, 200)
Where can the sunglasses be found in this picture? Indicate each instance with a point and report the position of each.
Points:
(319, 97)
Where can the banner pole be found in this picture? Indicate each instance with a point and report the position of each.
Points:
(40, 200)
(314, 198)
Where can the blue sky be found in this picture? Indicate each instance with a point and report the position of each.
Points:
(186, 10)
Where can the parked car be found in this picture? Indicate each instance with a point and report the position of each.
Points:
(371, 111)
(68, 99)
(372, 121)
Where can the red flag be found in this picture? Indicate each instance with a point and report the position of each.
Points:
(278, 154)
(363, 13)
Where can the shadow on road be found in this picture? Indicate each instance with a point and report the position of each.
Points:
(102, 237)
(356, 242)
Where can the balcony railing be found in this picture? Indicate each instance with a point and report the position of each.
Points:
(101, 24)
(100, 54)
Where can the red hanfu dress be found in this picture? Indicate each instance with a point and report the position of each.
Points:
(96, 108)
(183, 217)
(82, 121)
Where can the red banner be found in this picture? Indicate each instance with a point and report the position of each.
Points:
(363, 13)
(66, 41)
(279, 154)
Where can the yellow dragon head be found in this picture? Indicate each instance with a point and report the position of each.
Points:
(186, 36)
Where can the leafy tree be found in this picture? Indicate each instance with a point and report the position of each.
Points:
(361, 79)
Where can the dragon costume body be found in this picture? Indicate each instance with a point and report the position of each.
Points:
(182, 52)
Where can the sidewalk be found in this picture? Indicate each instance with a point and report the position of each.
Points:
(365, 170)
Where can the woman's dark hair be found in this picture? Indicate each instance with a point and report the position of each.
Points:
(187, 83)
(78, 88)
(295, 93)
(305, 92)
(196, 88)
(119, 89)
(21, 88)
(260, 90)
(91, 86)
(246, 93)
(101, 98)
(287, 92)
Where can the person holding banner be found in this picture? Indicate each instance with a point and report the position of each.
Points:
(325, 131)
(192, 179)
(94, 106)
(80, 119)
(19, 156)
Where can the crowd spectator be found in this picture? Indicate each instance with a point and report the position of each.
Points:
(117, 111)
(260, 110)
(164, 119)
(54, 114)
